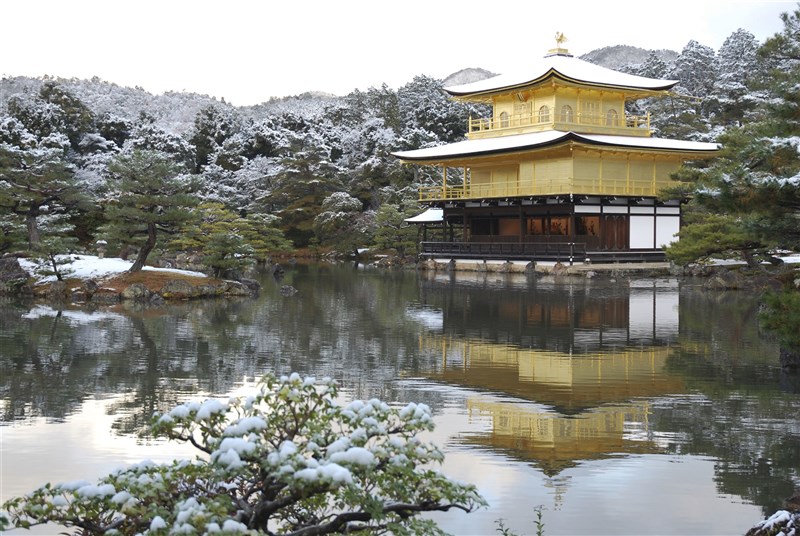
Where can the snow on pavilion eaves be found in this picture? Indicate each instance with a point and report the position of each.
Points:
(565, 67)
(540, 140)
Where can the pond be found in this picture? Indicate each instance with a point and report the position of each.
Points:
(628, 407)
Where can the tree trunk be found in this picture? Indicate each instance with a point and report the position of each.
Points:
(54, 264)
(148, 246)
(33, 229)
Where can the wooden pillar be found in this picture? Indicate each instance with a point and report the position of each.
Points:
(628, 174)
(653, 187)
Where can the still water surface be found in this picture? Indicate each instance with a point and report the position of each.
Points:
(628, 407)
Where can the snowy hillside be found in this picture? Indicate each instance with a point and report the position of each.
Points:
(622, 57)
(467, 76)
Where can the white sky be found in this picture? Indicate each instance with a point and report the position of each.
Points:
(249, 50)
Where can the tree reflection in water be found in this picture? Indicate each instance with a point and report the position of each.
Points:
(562, 371)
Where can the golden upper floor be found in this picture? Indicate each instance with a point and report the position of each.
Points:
(559, 128)
(560, 92)
(559, 108)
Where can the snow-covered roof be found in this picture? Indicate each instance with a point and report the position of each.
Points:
(538, 140)
(432, 215)
(566, 67)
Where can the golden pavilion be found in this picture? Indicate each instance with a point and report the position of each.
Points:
(559, 171)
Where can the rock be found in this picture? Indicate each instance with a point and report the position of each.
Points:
(89, 287)
(724, 280)
(156, 299)
(792, 503)
(277, 271)
(253, 285)
(288, 290)
(211, 291)
(559, 269)
(178, 289)
(590, 274)
(136, 292)
(12, 277)
(530, 268)
(235, 275)
(10, 269)
(236, 288)
(78, 295)
(790, 359)
(428, 264)
(58, 290)
(105, 296)
(781, 522)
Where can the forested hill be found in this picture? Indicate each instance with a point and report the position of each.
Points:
(316, 167)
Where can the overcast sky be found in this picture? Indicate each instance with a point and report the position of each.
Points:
(246, 51)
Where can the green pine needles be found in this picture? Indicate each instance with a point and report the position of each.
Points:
(288, 459)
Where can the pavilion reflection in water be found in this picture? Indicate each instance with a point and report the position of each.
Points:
(561, 376)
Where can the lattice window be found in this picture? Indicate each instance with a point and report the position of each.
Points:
(544, 114)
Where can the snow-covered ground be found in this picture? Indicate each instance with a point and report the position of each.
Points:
(91, 267)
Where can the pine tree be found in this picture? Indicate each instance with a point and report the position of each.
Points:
(227, 240)
(342, 224)
(756, 182)
(153, 196)
(56, 243)
(213, 125)
(306, 178)
(737, 68)
(392, 231)
(34, 183)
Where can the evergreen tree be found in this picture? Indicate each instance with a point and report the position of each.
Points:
(115, 128)
(342, 224)
(213, 125)
(423, 104)
(153, 196)
(12, 232)
(755, 183)
(34, 183)
(695, 68)
(56, 243)
(227, 240)
(686, 113)
(392, 231)
(264, 236)
(305, 179)
(737, 67)
(227, 251)
(76, 118)
(148, 136)
(653, 67)
(287, 459)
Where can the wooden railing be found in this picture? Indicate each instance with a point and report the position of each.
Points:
(554, 251)
(553, 186)
(539, 250)
(566, 121)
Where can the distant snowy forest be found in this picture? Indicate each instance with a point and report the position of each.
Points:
(315, 168)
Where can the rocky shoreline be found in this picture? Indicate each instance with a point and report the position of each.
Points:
(16, 281)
